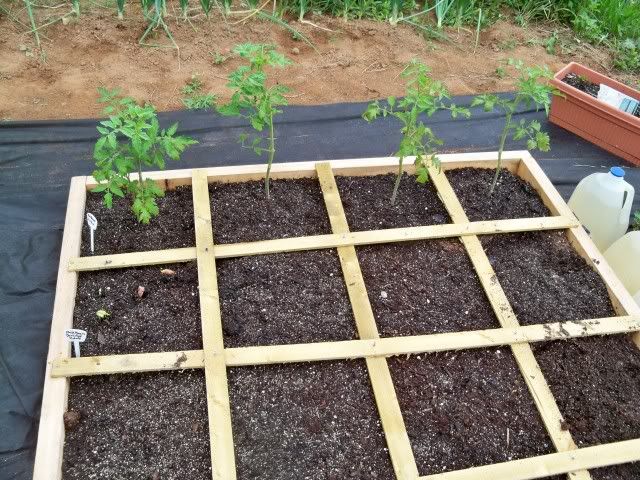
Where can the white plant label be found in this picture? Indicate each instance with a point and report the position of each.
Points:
(92, 221)
(618, 99)
(75, 336)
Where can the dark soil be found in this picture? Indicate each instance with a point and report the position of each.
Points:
(596, 381)
(424, 287)
(119, 230)
(307, 421)
(588, 87)
(512, 198)
(366, 201)
(166, 318)
(545, 279)
(241, 213)
(459, 408)
(581, 83)
(138, 427)
(284, 298)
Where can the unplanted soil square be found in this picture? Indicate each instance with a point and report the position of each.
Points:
(424, 287)
(513, 197)
(545, 279)
(138, 427)
(284, 298)
(466, 409)
(241, 213)
(307, 421)
(366, 202)
(120, 232)
(165, 318)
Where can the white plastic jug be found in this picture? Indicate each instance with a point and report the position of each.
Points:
(602, 203)
(636, 297)
(624, 258)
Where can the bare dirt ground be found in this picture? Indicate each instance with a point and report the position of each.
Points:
(355, 61)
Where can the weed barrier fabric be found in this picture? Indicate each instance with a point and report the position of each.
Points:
(38, 158)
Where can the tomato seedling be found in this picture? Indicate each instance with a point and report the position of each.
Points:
(532, 90)
(253, 100)
(129, 139)
(424, 96)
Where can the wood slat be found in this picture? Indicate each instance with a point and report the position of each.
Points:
(572, 461)
(540, 391)
(218, 405)
(168, 179)
(134, 259)
(393, 425)
(348, 349)
(48, 461)
(332, 240)
(127, 363)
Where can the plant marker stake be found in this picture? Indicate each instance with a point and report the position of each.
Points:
(76, 336)
(92, 221)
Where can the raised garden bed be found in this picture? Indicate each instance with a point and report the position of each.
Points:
(332, 335)
(594, 120)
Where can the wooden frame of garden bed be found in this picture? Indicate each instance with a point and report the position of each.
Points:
(215, 359)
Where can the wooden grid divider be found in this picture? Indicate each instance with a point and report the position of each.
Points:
(315, 242)
(346, 349)
(540, 391)
(218, 404)
(384, 392)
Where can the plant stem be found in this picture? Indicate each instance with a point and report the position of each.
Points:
(475, 47)
(503, 139)
(272, 151)
(140, 173)
(33, 22)
(397, 184)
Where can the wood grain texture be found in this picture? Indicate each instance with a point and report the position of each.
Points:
(347, 349)
(218, 405)
(48, 461)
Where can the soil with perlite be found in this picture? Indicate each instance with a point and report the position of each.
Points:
(319, 420)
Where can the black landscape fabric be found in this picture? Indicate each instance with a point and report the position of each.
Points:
(37, 160)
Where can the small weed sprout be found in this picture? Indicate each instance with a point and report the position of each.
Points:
(423, 96)
(531, 90)
(129, 139)
(218, 58)
(193, 97)
(253, 100)
(102, 314)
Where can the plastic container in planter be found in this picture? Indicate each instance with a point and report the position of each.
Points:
(594, 120)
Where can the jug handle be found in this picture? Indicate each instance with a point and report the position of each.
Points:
(627, 199)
